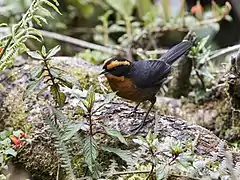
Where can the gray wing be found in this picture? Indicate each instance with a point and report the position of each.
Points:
(176, 52)
(151, 73)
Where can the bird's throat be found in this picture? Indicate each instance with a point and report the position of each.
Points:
(111, 77)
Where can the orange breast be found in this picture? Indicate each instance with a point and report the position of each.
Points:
(124, 87)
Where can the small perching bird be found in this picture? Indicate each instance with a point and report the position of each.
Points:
(141, 80)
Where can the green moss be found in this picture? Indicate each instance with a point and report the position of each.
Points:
(78, 162)
(86, 79)
(14, 103)
(232, 134)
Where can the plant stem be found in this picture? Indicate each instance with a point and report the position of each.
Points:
(90, 124)
(128, 26)
(105, 36)
(51, 78)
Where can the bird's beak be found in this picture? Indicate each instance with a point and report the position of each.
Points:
(103, 72)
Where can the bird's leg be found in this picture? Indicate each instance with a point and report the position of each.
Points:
(139, 127)
(135, 108)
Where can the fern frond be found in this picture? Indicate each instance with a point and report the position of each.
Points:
(22, 31)
(62, 148)
(90, 150)
(51, 5)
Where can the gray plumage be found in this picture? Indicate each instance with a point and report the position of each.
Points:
(152, 73)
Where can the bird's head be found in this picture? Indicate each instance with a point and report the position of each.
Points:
(117, 67)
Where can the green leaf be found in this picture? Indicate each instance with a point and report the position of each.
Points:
(53, 51)
(34, 55)
(65, 82)
(124, 7)
(58, 96)
(85, 104)
(45, 12)
(11, 151)
(166, 9)
(40, 18)
(90, 152)
(162, 171)
(52, 6)
(3, 24)
(90, 98)
(37, 21)
(42, 90)
(36, 72)
(6, 142)
(56, 2)
(203, 42)
(105, 16)
(143, 7)
(116, 134)
(62, 99)
(74, 129)
(44, 52)
(54, 73)
(28, 36)
(4, 134)
(31, 86)
(125, 155)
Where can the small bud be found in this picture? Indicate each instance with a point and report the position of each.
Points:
(197, 10)
(17, 142)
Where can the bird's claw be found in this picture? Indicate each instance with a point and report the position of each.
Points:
(135, 130)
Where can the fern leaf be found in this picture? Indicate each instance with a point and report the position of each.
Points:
(51, 5)
(90, 150)
(3, 24)
(24, 38)
(62, 148)
(41, 18)
(35, 31)
(45, 12)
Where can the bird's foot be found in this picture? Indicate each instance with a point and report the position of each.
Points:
(135, 130)
(133, 112)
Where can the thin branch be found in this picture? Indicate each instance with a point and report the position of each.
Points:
(129, 172)
(151, 171)
(223, 51)
(85, 44)
(114, 50)
(197, 26)
(148, 171)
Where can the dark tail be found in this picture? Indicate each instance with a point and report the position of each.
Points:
(176, 51)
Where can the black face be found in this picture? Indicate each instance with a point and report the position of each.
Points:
(121, 70)
(117, 67)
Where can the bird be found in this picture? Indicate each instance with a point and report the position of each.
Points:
(140, 80)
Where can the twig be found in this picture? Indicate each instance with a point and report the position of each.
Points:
(151, 171)
(223, 51)
(129, 172)
(148, 171)
(111, 50)
(85, 44)
(57, 176)
(198, 25)
(114, 50)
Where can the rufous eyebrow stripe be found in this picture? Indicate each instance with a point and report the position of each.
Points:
(116, 63)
